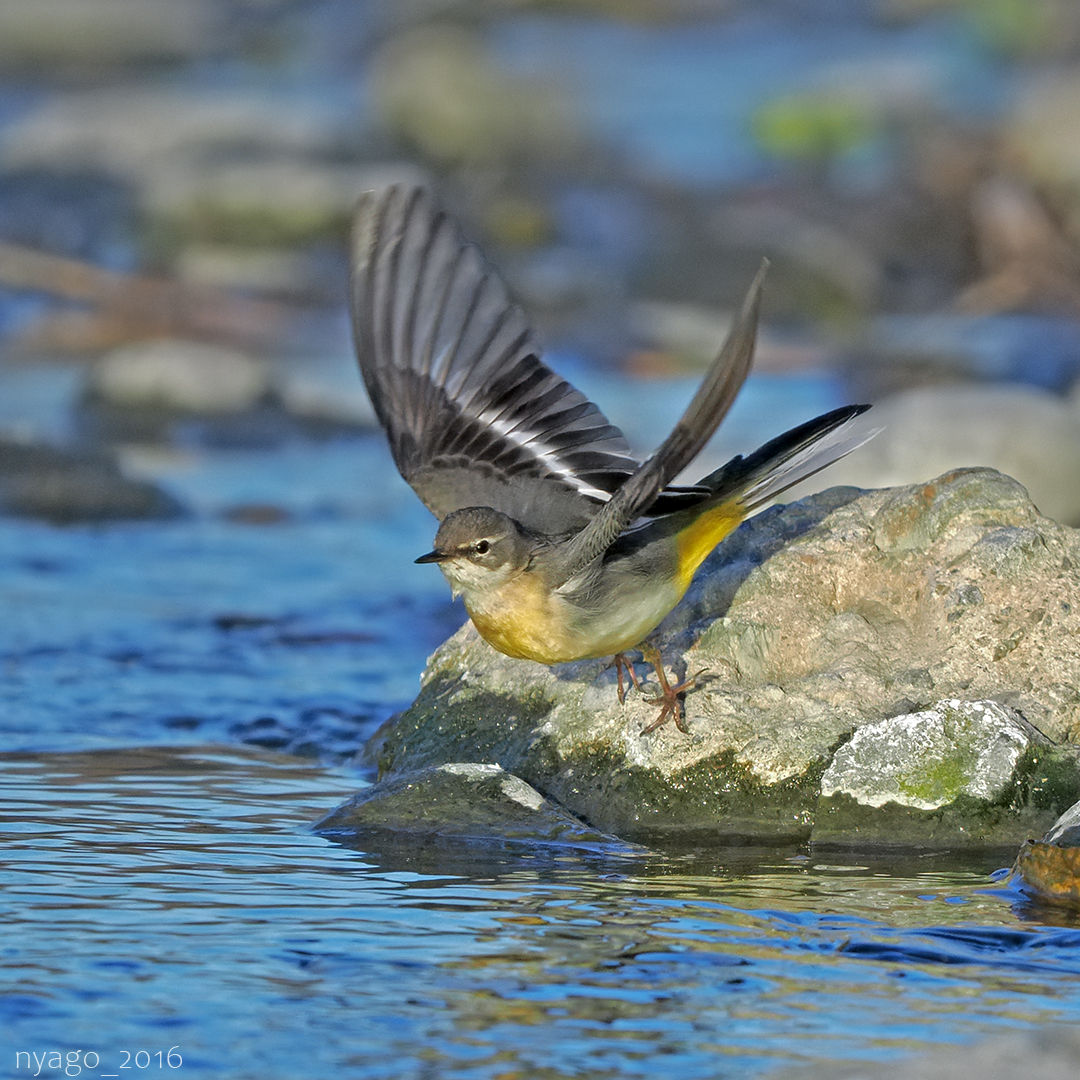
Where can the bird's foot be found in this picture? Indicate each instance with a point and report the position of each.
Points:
(670, 698)
(622, 662)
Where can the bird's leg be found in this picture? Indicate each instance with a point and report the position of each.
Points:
(620, 661)
(670, 700)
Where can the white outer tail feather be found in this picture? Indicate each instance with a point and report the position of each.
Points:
(804, 464)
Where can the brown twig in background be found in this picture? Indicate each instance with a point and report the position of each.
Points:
(127, 307)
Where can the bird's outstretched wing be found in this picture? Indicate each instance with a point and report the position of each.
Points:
(473, 416)
(694, 429)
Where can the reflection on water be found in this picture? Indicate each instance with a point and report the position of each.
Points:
(159, 897)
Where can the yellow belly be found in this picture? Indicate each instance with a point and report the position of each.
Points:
(524, 621)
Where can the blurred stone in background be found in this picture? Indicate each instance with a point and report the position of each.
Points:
(1027, 433)
(47, 35)
(910, 167)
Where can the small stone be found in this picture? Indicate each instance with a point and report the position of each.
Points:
(1050, 871)
(184, 376)
(1050, 868)
(929, 759)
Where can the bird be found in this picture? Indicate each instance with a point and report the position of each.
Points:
(562, 544)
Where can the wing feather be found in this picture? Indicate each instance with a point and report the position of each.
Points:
(473, 416)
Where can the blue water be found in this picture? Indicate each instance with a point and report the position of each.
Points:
(179, 703)
(676, 100)
(282, 635)
(161, 898)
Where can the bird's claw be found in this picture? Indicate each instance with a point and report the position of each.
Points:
(670, 698)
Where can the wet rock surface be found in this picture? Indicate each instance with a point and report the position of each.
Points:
(1050, 868)
(463, 802)
(811, 622)
(63, 487)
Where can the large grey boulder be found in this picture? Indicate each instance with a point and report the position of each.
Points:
(812, 622)
(1025, 432)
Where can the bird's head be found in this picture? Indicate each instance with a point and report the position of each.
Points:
(479, 549)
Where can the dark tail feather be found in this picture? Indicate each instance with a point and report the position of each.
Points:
(787, 460)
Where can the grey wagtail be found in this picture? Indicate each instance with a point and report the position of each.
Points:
(563, 546)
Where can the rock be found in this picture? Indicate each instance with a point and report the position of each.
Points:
(64, 487)
(183, 376)
(930, 759)
(461, 801)
(1066, 830)
(265, 203)
(1024, 432)
(169, 390)
(1048, 1053)
(438, 87)
(812, 621)
(1051, 872)
(142, 134)
(215, 168)
(1028, 263)
(957, 753)
(84, 33)
(1043, 135)
(1050, 868)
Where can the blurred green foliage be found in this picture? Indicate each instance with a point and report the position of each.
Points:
(813, 127)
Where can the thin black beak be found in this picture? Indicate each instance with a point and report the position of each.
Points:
(434, 556)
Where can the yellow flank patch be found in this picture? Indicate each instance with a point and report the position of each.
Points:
(698, 539)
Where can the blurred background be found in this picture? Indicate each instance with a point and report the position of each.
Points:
(176, 178)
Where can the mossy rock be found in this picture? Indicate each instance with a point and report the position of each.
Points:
(811, 622)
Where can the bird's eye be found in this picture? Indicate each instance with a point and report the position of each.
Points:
(482, 547)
